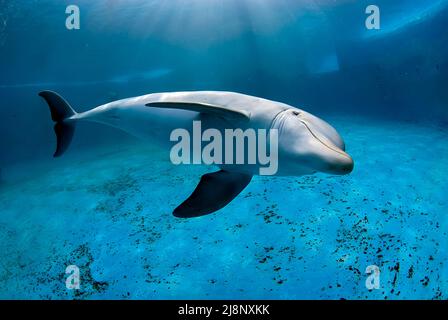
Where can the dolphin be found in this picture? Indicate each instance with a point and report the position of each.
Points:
(306, 144)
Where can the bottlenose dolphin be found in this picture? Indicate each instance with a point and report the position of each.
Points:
(306, 144)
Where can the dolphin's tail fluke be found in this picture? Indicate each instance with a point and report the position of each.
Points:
(61, 113)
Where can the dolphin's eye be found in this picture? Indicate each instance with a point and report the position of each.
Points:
(296, 113)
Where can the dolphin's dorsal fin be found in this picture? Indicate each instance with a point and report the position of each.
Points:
(214, 192)
(230, 114)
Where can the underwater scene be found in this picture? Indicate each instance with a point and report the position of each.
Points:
(349, 200)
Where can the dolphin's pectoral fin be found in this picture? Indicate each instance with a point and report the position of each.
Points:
(226, 113)
(214, 191)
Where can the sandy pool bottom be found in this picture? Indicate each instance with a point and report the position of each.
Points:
(109, 213)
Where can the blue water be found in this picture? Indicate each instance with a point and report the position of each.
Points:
(106, 205)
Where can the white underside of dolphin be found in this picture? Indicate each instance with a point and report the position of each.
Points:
(306, 144)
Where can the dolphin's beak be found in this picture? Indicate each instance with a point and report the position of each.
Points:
(339, 163)
(328, 158)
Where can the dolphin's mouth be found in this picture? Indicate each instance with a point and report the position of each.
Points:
(345, 164)
(327, 144)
